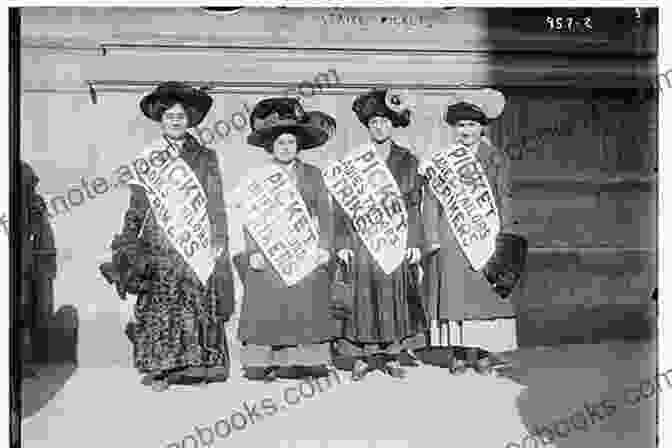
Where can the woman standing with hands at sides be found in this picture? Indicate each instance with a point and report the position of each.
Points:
(382, 325)
(179, 336)
(289, 327)
(466, 286)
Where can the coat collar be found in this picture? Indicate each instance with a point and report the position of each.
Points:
(397, 152)
(299, 170)
(296, 172)
(190, 145)
(485, 153)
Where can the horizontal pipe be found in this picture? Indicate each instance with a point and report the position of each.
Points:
(191, 47)
(630, 61)
(223, 87)
(590, 250)
(241, 91)
(64, 48)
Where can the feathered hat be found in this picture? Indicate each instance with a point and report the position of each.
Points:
(383, 102)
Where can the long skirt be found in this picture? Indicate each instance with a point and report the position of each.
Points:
(463, 303)
(176, 331)
(382, 320)
(285, 326)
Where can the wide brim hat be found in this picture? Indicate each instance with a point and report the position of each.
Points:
(383, 102)
(482, 106)
(196, 102)
(273, 117)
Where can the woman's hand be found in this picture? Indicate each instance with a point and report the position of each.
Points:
(345, 255)
(423, 165)
(216, 251)
(257, 261)
(322, 256)
(420, 274)
(413, 255)
(433, 249)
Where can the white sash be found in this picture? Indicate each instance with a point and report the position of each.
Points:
(368, 193)
(277, 218)
(179, 204)
(459, 182)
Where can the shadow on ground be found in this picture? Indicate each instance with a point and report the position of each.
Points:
(575, 394)
(55, 361)
(37, 392)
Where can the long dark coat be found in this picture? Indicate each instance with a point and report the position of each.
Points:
(381, 311)
(453, 291)
(180, 322)
(38, 265)
(275, 314)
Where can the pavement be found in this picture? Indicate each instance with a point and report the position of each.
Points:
(108, 406)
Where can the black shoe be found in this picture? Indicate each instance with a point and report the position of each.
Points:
(270, 374)
(458, 366)
(500, 364)
(483, 366)
(472, 357)
(319, 371)
(160, 383)
(413, 360)
(359, 370)
(395, 370)
(483, 362)
(258, 373)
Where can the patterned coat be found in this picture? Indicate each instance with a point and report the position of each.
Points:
(453, 291)
(274, 314)
(180, 321)
(381, 310)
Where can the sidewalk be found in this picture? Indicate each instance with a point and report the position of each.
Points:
(108, 407)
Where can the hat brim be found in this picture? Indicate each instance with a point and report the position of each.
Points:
(308, 137)
(398, 120)
(197, 101)
(464, 111)
(314, 131)
(483, 106)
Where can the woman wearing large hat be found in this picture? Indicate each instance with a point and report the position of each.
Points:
(179, 333)
(288, 328)
(467, 304)
(387, 318)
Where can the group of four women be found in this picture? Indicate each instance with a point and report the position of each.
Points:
(179, 333)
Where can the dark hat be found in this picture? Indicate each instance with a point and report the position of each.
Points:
(272, 117)
(483, 106)
(385, 103)
(195, 101)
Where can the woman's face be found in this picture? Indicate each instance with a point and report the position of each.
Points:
(380, 129)
(468, 132)
(284, 148)
(174, 121)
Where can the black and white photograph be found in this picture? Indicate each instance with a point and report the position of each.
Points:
(316, 226)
